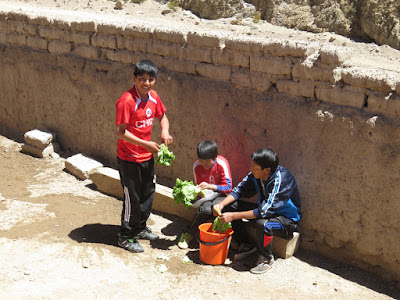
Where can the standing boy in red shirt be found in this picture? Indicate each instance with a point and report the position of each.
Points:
(135, 112)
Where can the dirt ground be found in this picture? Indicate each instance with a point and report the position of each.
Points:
(58, 241)
(58, 234)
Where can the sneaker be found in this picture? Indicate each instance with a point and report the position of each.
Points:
(263, 264)
(146, 234)
(131, 245)
(184, 240)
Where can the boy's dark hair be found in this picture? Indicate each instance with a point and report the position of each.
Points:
(207, 150)
(145, 67)
(266, 158)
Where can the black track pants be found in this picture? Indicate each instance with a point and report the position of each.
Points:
(138, 183)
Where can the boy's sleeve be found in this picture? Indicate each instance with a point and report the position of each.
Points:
(123, 111)
(196, 163)
(245, 189)
(225, 186)
(160, 108)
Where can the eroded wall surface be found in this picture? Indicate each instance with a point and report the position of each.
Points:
(333, 124)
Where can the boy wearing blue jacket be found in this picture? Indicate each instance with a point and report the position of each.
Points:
(277, 211)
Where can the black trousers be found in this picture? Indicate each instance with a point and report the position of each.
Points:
(138, 183)
(266, 229)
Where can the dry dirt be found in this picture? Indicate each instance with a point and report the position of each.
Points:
(58, 234)
(58, 241)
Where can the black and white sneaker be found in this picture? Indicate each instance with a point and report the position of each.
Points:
(131, 245)
(146, 234)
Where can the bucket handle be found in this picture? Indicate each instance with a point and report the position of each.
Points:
(215, 243)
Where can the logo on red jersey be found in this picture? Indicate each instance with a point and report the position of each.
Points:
(144, 123)
(148, 112)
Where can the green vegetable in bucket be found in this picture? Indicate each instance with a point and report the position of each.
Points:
(218, 226)
(165, 157)
(185, 192)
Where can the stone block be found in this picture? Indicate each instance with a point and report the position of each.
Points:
(123, 56)
(194, 53)
(104, 41)
(80, 165)
(315, 71)
(175, 37)
(260, 81)
(376, 80)
(299, 89)
(37, 152)
(270, 65)
(203, 40)
(162, 48)
(59, 47)
(230, 58)
(16, 39)
(333, 55)
(132, 44)
(88, 52)
(38, 138)
(88, 26)
(289, 48)
(344, 96)
(3, 38)
(240, 79)
(164, 202)
(179, 65)
(107, 181)
(51, 33)
(109, 29)
(388, 105)
(36, 42)
(138, 32)
(221, 73)
(78, 38)
(246, 45)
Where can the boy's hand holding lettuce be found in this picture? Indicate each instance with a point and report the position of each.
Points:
(165, 157)
(218, 226)
(185, 192)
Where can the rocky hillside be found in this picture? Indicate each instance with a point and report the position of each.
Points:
(366, 20)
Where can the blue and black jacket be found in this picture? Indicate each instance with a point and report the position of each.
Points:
(279, 196)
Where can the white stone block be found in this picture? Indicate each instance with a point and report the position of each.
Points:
(107, 180)
(37, 152)
(80, 165)
(39, 139)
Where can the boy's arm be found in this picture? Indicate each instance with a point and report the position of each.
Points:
(166, 138)
(127, 136)
(230, 216)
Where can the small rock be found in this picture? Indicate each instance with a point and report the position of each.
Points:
(166, 11)
(118, 5)
(332, 39)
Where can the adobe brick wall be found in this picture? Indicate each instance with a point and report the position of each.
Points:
(334, 125)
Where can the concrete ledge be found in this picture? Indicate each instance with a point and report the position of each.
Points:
(164, 202)
(80, 165)
(107, 180)
(280, 247)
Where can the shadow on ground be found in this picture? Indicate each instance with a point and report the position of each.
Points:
(351, 273)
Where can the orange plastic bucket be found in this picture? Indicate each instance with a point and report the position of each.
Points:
(214, 246)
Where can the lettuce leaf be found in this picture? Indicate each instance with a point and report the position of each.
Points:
(185, 192)
(165, 157)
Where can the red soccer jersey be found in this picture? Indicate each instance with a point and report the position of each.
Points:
(219, 174)
(139, 116)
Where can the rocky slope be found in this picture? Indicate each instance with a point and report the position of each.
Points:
(367, 20)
